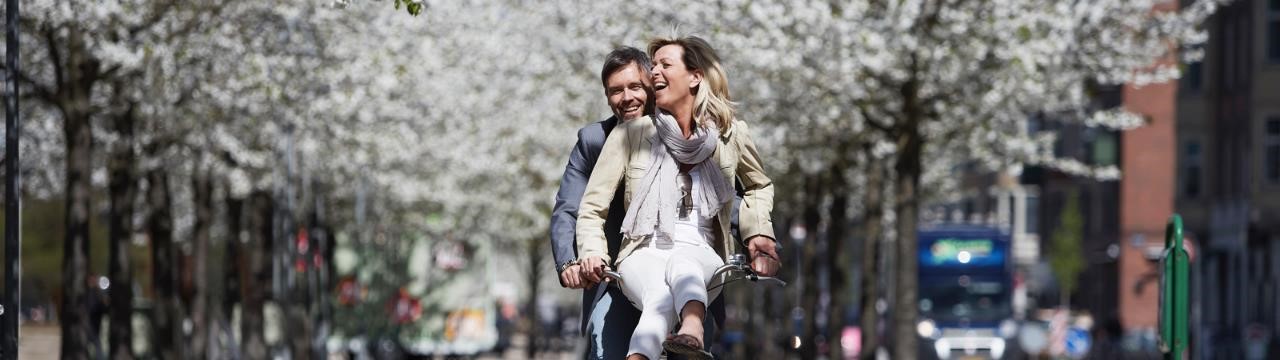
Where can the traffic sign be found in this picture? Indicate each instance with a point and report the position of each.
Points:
(1078, 342)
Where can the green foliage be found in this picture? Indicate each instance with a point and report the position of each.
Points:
(413, 7)
(1066, 257)
(43, 235)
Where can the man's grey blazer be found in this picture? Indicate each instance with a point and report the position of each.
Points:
(564, 217)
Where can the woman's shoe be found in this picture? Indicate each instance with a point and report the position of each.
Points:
(687, 346)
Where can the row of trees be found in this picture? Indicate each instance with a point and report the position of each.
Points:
(223, 126)
(199, 119)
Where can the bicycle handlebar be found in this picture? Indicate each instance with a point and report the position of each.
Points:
(747, 273)
(736, 263)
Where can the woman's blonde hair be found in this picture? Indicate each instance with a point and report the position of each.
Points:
(710, 102)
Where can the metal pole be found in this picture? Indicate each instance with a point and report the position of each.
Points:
(12, 201)
(1173, 292)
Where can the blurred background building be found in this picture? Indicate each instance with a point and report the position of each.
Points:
(1228, 188)
(1210, 151)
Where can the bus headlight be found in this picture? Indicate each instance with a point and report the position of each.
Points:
(942, 348)
(997, 348)
(927, 329)
(1008, 329)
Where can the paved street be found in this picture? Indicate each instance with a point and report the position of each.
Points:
(41, 341)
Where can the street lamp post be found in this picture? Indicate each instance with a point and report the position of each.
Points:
(9, 311)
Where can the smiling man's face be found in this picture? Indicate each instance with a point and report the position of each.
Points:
(627, 90)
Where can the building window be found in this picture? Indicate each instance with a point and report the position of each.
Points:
(1272, 151)
(1237, 50)
(1111, 211)
(1273, 31)
(1104, 149)
(1191, 163)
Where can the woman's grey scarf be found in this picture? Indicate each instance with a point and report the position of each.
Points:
(657, 196)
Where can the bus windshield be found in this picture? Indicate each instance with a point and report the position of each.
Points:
(970, 298)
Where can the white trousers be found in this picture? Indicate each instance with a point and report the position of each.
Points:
(661, 277)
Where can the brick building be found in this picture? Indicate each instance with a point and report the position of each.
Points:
(1228, 187)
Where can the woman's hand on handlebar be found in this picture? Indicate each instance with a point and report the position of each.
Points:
(593, 269)
(764, 256)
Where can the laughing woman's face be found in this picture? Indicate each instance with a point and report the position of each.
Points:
(673, 83)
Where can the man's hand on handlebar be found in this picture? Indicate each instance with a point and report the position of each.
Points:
(592, 269)
(572, 278)
(764, 256)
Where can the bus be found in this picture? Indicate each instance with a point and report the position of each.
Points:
(965, 293)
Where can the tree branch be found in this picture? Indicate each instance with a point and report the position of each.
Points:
(42, 92)
(191, 25)
(51, 42)
(111, 71)
(154, 18)
(875, 124)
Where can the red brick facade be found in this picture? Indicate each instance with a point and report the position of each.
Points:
(1146, 199)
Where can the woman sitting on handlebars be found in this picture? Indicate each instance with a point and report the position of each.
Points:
(678, 167)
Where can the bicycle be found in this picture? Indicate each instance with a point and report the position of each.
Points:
(737, 264)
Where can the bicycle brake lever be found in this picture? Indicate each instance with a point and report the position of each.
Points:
(773, 280)
(613, 277)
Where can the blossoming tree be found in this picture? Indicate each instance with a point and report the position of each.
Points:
(459, 120)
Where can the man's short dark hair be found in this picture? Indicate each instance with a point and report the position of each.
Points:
(620, 58)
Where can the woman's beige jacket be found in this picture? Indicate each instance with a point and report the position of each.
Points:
(625, 158)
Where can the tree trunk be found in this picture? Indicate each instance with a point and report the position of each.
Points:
(299, 315)
(531, 309)
(76, 333)
(294, 301)
(233, 261)
(809, 284)
(81, 72)
(301, 303)
(119, 269)
(328, 280)
(838, 261)
(751, 329)
(907, 208)
(202, 186)
(870, 250)
(258, 255)
(167, 312)
(772, 320)
(907, 166)
(320, 264)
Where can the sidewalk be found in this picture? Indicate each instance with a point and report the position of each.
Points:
(39, 341)
(516, 351)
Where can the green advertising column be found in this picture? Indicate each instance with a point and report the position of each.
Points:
(1173, 292)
